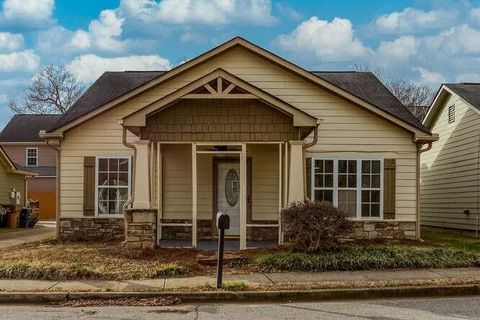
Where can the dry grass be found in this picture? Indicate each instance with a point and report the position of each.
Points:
(111, 261)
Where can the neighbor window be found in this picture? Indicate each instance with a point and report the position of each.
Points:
(352, 185)
(32, 157)
(113, 184)
(451, 114)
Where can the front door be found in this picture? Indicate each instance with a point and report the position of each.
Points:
(228, 193)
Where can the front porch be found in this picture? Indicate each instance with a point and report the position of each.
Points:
(191, 182)
(218, 144)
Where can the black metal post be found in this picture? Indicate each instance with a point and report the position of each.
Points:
(221, 240)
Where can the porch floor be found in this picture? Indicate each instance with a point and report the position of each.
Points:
(211, 245)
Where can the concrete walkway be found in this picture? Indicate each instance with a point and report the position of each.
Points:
(15, 238)
(252, 279)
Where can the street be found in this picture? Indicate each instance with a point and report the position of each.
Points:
(444, 308)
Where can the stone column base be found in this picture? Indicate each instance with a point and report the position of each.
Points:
(141, 228)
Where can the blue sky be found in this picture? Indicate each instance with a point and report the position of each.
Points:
(423, 41)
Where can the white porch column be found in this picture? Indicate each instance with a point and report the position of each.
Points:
(296, 190)
(142, 176)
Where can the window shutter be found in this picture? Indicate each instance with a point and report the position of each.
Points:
(89, 186)
(389, 168)
(308, 176)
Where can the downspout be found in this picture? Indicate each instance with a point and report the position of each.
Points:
(130, 146)
(304, 149)
(419, 152)
(57, 186)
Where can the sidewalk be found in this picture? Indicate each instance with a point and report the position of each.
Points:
(269, 279)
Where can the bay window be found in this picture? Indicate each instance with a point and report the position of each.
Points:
(352, 185)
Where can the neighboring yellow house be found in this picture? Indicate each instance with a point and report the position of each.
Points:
(11, 178)
(450, 174)
(240, 130)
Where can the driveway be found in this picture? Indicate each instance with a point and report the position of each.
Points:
(15, 238)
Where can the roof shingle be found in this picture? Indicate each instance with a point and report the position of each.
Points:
(25, 127)
(112, 85)
(468, 91)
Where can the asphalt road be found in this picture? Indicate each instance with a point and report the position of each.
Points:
(445, 308)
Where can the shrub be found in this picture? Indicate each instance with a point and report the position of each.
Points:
(168, 270)
(310, 225)
(368, 257)
(234, 285)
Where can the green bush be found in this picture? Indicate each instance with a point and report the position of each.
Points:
(355, 257)
(310, 225)
(168, 270)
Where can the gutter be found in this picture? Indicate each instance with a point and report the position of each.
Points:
(305, 148)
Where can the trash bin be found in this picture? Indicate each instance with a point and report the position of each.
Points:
(24, 215)
(3, 217)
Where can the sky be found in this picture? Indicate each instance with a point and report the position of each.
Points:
(427, 42)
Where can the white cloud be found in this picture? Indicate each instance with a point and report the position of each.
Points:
(89, 67)
(27, 13)
(326, 41)
(475, 14)
(80, 40)
(457, 40)
(208, 12)
(105, 31)
(430, 78)
(10, 42)
(19, 61)
(398, 50)
(412, 20)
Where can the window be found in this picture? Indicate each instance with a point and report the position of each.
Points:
(353, 185)
(32, 157)
(113, 182)
(451, 114)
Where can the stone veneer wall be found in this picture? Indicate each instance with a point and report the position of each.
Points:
(396, 230)
(368, 230)
(204, 231)
(92, 228)
(141, 228)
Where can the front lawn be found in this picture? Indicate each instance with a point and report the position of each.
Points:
(62, 260)
(55, 260)
(459, 239)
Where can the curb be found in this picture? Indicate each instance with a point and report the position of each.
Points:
(249, 296)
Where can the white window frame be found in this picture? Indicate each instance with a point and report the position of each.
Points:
(28, 157)
(97, 158)
(359, 188)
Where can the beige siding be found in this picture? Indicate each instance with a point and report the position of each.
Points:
(347, 130)
(450, 170)
(9, 181)
(17, 153)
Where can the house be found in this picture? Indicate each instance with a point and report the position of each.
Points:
(11, 178)
(20, 140)
(240, 130)
(450, 172)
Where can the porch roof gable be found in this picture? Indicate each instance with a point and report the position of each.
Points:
(300, 118)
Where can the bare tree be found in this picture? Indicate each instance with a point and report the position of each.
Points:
(416, 97)
(52, 91)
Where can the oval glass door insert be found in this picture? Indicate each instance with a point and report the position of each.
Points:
(232, 189)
